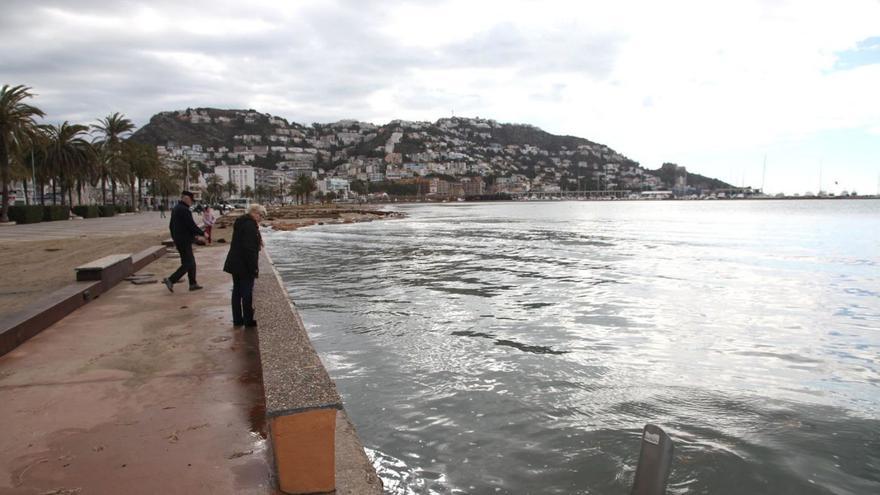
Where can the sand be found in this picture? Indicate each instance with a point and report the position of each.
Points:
(32, 269)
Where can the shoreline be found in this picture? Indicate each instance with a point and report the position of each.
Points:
(289, 218)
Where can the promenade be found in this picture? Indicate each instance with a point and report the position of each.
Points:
(114, 226)
(141, 392)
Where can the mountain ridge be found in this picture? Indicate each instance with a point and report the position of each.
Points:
(470, 146)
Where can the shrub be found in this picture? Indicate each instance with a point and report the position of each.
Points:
(106, 210)
(86, 211)
(129, 209)
(26, 214)
(55, 212)
(119, 209)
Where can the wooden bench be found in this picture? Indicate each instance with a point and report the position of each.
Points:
(110, 270)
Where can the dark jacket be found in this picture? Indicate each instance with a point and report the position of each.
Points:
(244, 250)
(183, 228)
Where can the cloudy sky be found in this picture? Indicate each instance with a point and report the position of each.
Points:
(714, 86)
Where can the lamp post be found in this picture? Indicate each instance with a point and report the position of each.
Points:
(34, 178)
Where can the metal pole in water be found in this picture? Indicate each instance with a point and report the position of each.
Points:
(655, 462)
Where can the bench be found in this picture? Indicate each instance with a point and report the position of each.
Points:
(93, 279)
(147, 256)
(42, 313)
(110, 270)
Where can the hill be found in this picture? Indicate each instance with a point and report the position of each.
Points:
(449, 147)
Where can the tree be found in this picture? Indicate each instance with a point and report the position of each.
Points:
(17, 127)
(188, 171)
(306, 185)
(112, 128)
(230, 188)
(69, 155)
(247, 192)
(303, 187)
(143, 163)
(263, 193)
(214, 188)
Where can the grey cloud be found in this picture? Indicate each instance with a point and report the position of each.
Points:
(322, 64)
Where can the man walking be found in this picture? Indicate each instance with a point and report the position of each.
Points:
(183, 232)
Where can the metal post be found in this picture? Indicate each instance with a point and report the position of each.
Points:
(33, 178)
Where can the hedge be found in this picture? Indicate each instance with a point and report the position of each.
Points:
(86, 211)
(55, 212)
(26, 214)
(106, 210)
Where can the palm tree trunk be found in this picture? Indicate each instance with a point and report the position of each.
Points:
(4, 177)
(42, 189)
(27, 199)
(134, 205)
(113, 190)
(140, 192)
(54, 192)
(63, 183)
(103, 190)
(79, 191)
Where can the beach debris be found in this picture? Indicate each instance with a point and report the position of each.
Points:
(236, 455)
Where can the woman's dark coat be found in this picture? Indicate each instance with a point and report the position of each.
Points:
(244, 250)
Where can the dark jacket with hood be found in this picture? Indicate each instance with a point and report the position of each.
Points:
(244, 250)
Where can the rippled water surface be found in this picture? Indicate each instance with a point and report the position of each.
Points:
(521, 347)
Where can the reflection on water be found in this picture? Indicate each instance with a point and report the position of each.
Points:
(520, 348)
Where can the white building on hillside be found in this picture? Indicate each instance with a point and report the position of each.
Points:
(241, 175)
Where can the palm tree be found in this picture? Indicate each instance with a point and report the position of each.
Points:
(113, 128)
(68, 154)
(262, 193)
(188, 170)
(17, 128)
(295, 191)
(306, 185)
(230, 188)
(247, 192)
(143, 163)
(214, 187)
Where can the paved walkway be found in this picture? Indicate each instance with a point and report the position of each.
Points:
(92, 227)
(138, 392)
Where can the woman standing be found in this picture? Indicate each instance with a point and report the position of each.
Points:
(242, 263)
(209, 219)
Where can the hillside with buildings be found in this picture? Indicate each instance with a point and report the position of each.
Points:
(452, 157)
